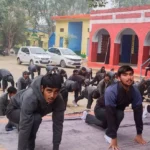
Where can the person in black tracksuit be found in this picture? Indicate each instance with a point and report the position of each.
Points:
(6, 77)
(51, 69)
(62, 74)
(28, 107)
(147, 69)
(103, 84)
(68, 86)
(4, 101)
(102, 70)
(24, 81)
(80, 80)
(109, 110)
(83, 72)
(34, 68)
(142, 87)
(89, 73)
(99, 76)
(90, 93)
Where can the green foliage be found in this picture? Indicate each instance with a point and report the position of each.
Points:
(67, 38)
(96, 3)
(127, 3)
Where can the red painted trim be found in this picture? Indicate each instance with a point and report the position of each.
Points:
(124, 9)
(81, 16)
(131, 15)
(101, 17)
(147, 14)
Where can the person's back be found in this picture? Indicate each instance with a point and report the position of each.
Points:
(78, 78)
(4, 73)
(3, 103)
(70, 85)
(32, 67)
(89, 90)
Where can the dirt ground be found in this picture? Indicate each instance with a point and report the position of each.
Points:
(10, 63)
(77, 135)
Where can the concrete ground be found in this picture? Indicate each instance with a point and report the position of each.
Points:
(10, 63)
(77, 135)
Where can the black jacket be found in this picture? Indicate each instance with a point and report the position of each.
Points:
(31, 101)
(117, 98)
(3, 104)
(33, 68)
(102, 86)
(23, 83)
(70, 85)
(78, 78)
(4, 74)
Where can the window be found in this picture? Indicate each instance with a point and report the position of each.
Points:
(61, 29)
(25, 50)
(57, 52)
(51, 50)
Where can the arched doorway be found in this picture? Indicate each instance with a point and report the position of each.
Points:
(129, 46)
(102, 37)
(146, 49)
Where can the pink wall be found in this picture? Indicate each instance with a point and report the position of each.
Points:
(141, 30)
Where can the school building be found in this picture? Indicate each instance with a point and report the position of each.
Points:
(73, 32)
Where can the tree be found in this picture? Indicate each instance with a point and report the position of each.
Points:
(97, 3)
(13, 27)
(127, 3)
(45, 9)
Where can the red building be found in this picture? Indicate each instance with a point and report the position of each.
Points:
(120, 36)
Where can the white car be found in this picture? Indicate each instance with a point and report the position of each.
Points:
(33, 55)
(64, 57)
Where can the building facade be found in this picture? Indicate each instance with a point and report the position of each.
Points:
(37, 38)
(120, 36)
(73, 32)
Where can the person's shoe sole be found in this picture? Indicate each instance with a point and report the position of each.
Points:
(107, 139)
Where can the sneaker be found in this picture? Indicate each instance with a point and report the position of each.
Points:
(8, 129)
(107, 139)
(145, 112)
(75, 104)
(83, 117)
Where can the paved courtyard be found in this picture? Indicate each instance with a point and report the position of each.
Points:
(77, 135)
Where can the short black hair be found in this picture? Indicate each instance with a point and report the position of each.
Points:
(107, 75)
(75, 71)
(62, 71)
(51, 81)
(11, 90)
(26, 73)
(83, 68)
(103, 67)
(123, 69)
(95, 94)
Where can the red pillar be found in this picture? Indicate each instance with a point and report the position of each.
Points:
(94, 51)
(145, 53)
(116, 54)
(140, 54)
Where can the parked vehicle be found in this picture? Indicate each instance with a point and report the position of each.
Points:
(33, 55)
(3, 53)
(64, 57)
